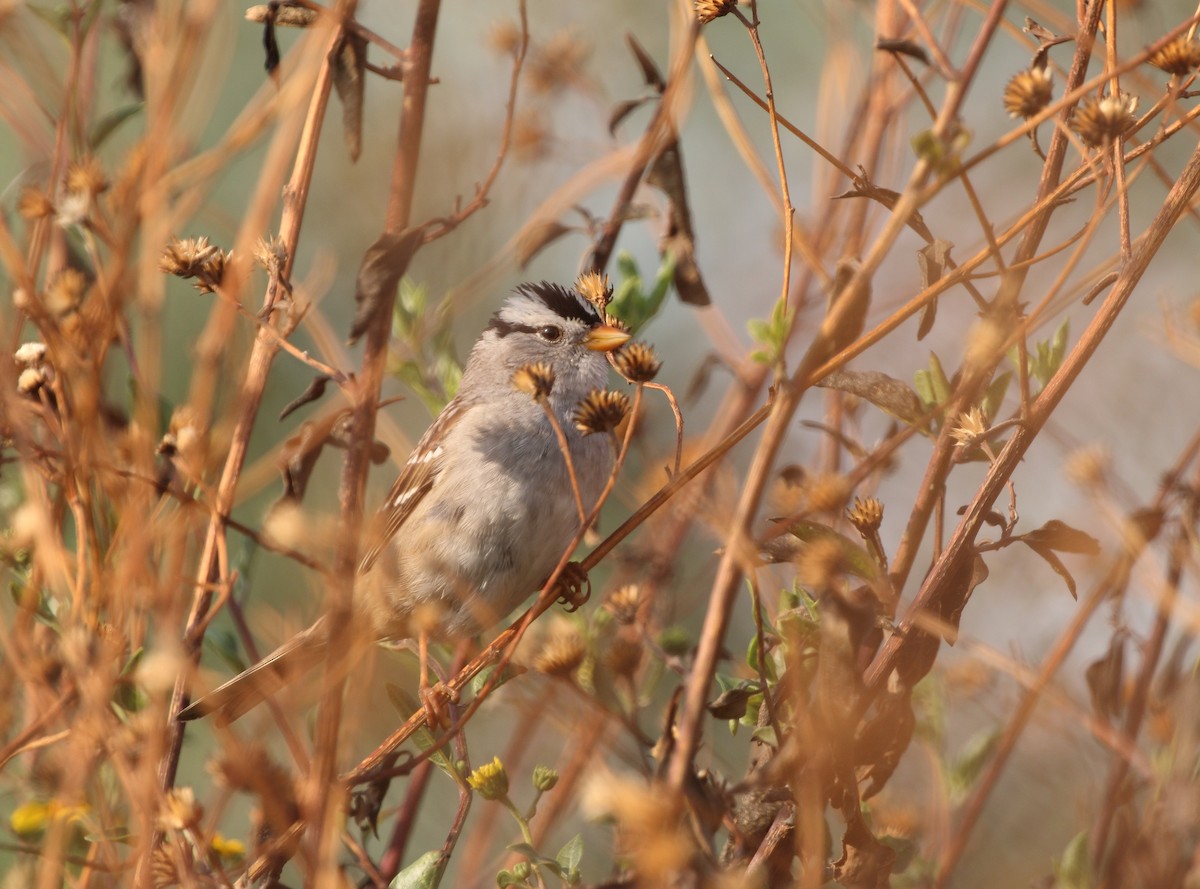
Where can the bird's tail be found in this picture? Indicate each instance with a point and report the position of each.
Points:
(252, 686)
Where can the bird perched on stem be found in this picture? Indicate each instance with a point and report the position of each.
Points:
(488, 501)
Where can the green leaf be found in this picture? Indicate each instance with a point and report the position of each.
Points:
(993, 396)
(406, 704)
(108, 124)
(424, 873)
(858, 560)
(937, 378)
(966, 769)
(570, 856)
(523, 849)
(1073, 870)
(766, 734)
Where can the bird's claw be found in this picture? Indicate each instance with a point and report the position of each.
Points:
(573, 587)
(436, 700)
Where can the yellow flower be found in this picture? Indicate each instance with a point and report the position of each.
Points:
(490, 780)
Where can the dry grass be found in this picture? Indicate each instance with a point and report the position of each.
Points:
(821, 632)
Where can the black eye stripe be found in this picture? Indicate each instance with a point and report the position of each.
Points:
(504, 328)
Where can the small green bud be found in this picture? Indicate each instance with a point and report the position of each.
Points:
(490, 780)
(521, 870)
(544, 778)
(675, 640)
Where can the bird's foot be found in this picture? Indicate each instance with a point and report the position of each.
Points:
(573, 587)
(437, 699)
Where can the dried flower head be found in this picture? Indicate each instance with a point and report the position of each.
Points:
(271, 253)
(559, 63)
(31, 379)
(707, 10)
(292, 16)
(1088, 466)
(827, 492)
(562, 655)
(637, 362)
(1100, 120)
(595, 288)
(532, 138)
(535, 380)
(623, 603)
(34, 204)
(1028, 92)
(866, 515)
(86, 176)
(194, 258)
(504, 38)
(601, 410)
(179, 811)
(490, 780)
(65, 291)
(1179, 57)
(819, 562)
(30, 354)
(623, 654)
(969, 427)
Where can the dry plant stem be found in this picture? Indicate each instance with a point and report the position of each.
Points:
(1115, 581)
(480, 199)
(789, 212)
(326, 803)
(939, 462)
(259, 364)
(393, 857)
(1023, 436)
(730, 570)
(659, 131)
(565, 450)
(1153, 650)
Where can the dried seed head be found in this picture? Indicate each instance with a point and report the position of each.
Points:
(34, 204)
(969, 427)
(1100, 120)
(30, 354)
(819, 562)
(490, 780)
(624, 654)
(1028, 92)
(31, 380)
(179, 810)
(559, 63)
(65, 291)
(504, 38)
(602, 410)
(827, 492)
(1179, 57)
(532, 139)
(707, 10)
(623, 603)
(162, 869)
(86, 177)
(637, 362)
(595, 288)
(562, 655)
(535, 380)
(292, 16)
(271, 253)
(194, 258)
(866, 515)
(1088, 466)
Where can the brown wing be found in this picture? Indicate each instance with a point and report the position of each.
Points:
(413, 483)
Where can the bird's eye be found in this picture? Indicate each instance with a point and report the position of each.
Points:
(550, 333)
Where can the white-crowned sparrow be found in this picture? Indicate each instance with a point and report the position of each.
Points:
(483, 509)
